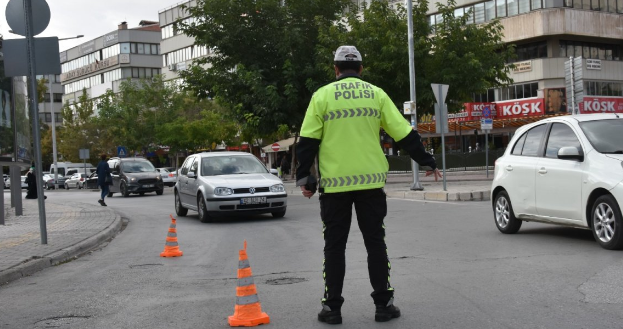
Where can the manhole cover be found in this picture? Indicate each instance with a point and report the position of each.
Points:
(282, 281)
(69, 321)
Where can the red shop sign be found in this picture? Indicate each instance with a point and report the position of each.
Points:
(473, 112)
(520, 108)
(601, 105)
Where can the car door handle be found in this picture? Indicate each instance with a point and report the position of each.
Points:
(542, 171)
(509, 168)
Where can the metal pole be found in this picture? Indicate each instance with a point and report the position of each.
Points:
(414, 165)
(487, 151)
(30, 40)
(442, 129)
(53, 135)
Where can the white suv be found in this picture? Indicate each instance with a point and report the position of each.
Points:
(565, 170)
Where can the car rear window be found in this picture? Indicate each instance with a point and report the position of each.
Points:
(528, 144)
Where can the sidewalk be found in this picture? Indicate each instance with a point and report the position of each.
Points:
(460, 186)
(71, 231)
(76, 229)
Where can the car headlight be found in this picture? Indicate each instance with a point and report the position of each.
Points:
(277, 188)
(221, 191)
(133, 179)
(158, 177)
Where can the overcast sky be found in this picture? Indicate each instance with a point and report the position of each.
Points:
(92, 18)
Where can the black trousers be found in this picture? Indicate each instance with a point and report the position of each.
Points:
(336, 214)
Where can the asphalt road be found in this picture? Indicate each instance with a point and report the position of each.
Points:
(451, 268)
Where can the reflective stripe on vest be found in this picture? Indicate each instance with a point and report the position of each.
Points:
(353, 180)
(243, 282)
(351, 113)
(243, 264)
(246, 300)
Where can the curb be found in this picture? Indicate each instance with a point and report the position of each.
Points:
(32, 266)
(440, 196)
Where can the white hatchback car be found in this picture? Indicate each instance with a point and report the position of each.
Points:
(168, 177)
(565, 170)
(228, 183)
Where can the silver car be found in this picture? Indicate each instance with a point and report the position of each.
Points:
(228, 183)
(168, 177)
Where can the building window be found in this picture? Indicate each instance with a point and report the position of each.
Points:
(48, 117)
(603, 88)
(58, 98)
(526, 90)
(531, 50)
(590, 50)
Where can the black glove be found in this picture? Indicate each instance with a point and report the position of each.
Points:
(312, 184)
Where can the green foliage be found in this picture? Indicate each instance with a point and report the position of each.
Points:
(264, 67)
(468, 58)
(79, 130)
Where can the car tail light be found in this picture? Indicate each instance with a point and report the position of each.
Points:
(170, 175)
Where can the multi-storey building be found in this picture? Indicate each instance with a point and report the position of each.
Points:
(104, 62)
(48, 108)
(547, 33)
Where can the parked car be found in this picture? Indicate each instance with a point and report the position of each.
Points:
(565, 170)
(91, 181)
(168, 177)
(134, 175)
(75, 181)
(23, 179)
(7, 183)
(228, 183)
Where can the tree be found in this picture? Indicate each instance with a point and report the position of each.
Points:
(469, 58)
(264, 63)
(78, 131)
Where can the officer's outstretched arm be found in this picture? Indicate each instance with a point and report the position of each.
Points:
(306, 151)
(412, 143)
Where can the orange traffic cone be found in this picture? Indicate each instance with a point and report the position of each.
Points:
(171, 248)
(248, 311)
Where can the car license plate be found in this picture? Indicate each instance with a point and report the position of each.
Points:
(254, 200)
(148, 185)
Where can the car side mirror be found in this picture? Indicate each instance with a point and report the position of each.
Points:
(191, 174)
(570, 153)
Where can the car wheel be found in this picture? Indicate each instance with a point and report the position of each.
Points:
(66, 186)
(45, 186)
(279, 214)
(142, 193)
(179, 209)
(505, 219)
(159, 192)
(203, 210)
(123, 189)
(607, 223)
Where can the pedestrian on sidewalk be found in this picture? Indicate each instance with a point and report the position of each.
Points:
(31, 180)
(104, 180)
(346, 117)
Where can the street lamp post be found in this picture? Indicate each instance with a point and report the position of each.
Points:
(414, 165)
(54, 156)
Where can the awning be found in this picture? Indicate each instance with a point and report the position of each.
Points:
(284, 145)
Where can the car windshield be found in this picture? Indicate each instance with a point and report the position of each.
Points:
(137, 166)
(230, 165)
(604, 135)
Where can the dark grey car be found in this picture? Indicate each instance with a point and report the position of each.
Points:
(134, 176)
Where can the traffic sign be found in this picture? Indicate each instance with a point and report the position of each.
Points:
(275, 147)
(122, 152)
(486, 112)
(486, 124)
(440, 91)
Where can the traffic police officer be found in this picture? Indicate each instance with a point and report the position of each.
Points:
(342, 126)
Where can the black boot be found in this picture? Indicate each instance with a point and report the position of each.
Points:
(387, 312)
(328, 316)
